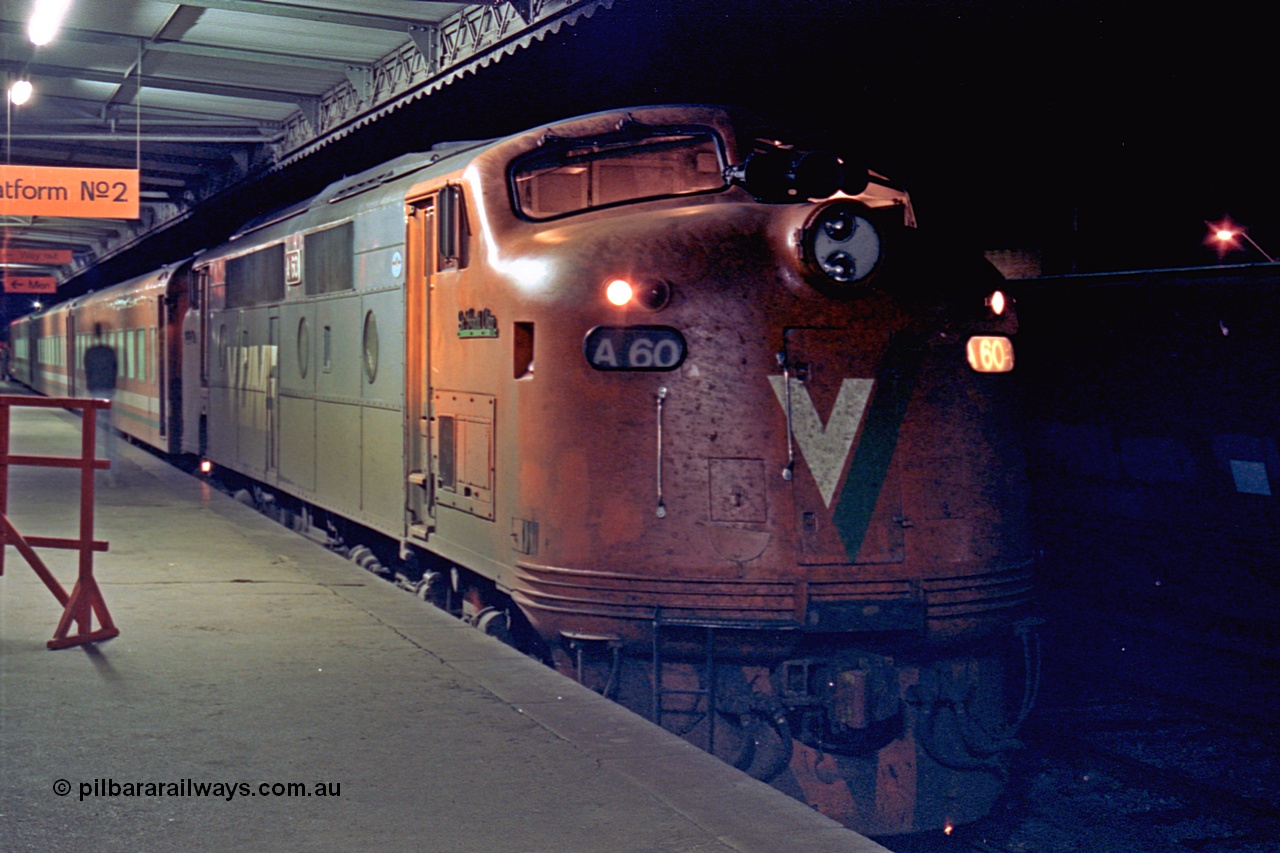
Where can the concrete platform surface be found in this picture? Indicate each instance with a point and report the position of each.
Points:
(251, 659)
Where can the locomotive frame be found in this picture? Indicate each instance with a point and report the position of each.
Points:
(767, 495)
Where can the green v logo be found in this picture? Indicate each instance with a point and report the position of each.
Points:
(825, 446)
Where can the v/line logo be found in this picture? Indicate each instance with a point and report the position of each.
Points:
(825, 447)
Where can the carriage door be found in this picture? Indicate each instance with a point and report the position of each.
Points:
(845, 410)
(72, 363)
(419, 266)
(160, 373)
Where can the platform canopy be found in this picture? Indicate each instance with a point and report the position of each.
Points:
(200, 96)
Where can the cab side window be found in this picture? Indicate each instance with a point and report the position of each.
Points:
(451, 229)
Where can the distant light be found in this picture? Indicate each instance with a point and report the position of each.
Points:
(36, 305)
(618, 292)
(205, 466)
(46, 17)
(20, 92)
(1224, 235)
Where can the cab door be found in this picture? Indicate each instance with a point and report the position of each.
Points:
(420, 247)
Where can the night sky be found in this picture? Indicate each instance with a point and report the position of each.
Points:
(1102, 133)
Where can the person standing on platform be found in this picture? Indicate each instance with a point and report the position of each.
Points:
(101, 370)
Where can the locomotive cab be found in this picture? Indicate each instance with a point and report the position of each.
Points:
(735, 442)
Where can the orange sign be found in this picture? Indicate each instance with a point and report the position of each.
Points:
(30, 284)
(13, 255)
(58, 191)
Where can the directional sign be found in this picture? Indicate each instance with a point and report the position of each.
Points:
(15, 255)
(57, 191)
(30, 284)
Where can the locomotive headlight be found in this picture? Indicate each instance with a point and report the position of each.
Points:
(841, 245)
(618, 292)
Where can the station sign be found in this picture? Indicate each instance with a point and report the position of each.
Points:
(14, 255)
(30, 284)
(69, 192)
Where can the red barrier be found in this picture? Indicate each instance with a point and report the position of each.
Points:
(85, 600)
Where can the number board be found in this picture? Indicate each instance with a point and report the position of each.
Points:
(990, 353)
(634, 348)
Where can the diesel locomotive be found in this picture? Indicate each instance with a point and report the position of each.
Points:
(706, 414)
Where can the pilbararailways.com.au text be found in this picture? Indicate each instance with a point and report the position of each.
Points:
(191, 788)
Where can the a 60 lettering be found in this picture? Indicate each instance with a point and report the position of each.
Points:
(647, 352)
(634, 348)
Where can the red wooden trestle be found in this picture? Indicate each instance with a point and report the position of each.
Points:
(85, 600)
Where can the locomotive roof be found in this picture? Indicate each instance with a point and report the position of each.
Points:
(361, 182)
(405, 165)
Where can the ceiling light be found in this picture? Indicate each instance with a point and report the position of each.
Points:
(20, 92)
(46, 17)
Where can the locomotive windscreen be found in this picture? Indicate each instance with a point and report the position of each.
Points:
(572, 175)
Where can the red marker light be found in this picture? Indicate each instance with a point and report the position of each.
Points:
(996, 302)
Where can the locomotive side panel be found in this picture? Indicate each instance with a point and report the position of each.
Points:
(338, 411)
(224, 330)
(297, 397)
(469, 423)
(382, 469)
(306, 332)
(255, 364)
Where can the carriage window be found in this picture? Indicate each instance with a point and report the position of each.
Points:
(130, 370)
(573, 175)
